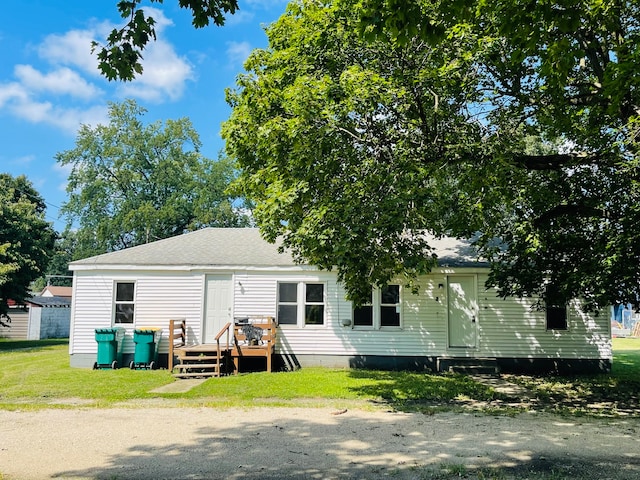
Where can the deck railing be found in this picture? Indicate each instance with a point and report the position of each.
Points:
(177, 337)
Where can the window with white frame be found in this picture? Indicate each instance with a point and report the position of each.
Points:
(124, 305)
(390, 306)
(301, 303)
(382, 310)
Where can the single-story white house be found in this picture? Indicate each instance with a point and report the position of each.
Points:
(211, 276)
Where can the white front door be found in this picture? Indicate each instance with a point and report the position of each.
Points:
(217, 305)
(462, 311)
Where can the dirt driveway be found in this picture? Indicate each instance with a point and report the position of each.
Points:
(206, 443)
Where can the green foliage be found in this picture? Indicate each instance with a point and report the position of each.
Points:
(353, 148)
(132, 183)
(121, 57)
(26, 240)
(340, 142)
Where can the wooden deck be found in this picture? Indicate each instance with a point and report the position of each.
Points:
(255, 337)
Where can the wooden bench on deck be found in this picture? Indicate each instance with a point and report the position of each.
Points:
(245, 344)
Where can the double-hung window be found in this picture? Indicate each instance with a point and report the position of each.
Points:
(556, 309)
(301, 303)
(390, 306)
(124, 304)
(382, 310)
(363, 315)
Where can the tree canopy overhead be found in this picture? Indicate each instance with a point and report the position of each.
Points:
(132, 183)
(26, 240)
(365, 122)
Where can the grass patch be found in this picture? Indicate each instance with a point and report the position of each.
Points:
(614, 394)
(37, 375)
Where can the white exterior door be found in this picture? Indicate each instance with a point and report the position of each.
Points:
(217, 305)
(462, 311)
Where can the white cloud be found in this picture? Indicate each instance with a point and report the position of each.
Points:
(238, 52)
(65, 96)
(159, 17)
(65, 118)
(10, 92)
(61, 81)
(240, 17)
(24, 160)
(165, 75)
(73, 48)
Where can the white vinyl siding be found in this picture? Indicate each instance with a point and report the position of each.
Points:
(19, 326)
(159, 298)
(517, 328)
(506, 328)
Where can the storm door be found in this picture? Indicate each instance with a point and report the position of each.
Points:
(217, 305)
(462, 307)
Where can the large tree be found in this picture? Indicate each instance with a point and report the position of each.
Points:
(516, 122)
(132, 183)
(566, 70)
(26, 240)
(343, 144)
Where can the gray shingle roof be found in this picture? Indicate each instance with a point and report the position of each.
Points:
(240, 247)
(49, 301)
(209, 246)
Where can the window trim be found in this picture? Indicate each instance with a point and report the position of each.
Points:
(376, 305)
(116, 302)
(301, 303)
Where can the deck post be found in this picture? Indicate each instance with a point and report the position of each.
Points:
(177, 337)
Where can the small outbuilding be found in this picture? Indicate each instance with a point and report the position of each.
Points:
(39, 318)
(213, 276)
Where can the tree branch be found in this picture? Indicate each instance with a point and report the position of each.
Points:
(555, 161)
(565, 210)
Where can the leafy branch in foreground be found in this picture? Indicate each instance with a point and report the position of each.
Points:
(121, 57)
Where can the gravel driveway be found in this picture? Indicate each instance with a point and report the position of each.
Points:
(199, 443)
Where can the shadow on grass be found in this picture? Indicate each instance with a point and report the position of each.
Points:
(600, 395)
(7, 344)
(413, 391)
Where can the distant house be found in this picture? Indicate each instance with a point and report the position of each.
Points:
(211, 276)
(56, 291)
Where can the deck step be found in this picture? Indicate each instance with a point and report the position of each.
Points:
(194, 358)
(197, 365)
(195, 374)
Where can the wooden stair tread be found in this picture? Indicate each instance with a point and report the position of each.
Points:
(197, 365)
(194, 374)
(192, 358)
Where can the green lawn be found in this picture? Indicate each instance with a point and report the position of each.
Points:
(37, 375)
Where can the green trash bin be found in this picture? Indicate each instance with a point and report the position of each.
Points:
(109, 347)
(146, 352)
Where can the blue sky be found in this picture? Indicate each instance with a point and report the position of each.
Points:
(50, 85)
